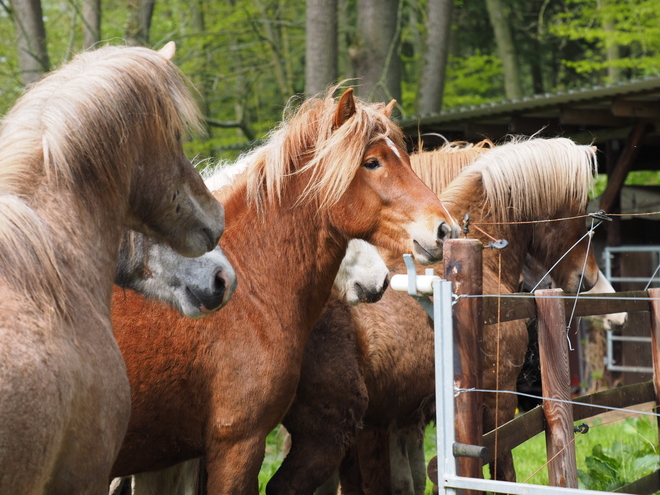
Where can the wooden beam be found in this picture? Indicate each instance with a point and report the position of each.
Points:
(556, 386)
(531, 125)
(588, 117)
(638, 109)
(644, 486)
(521, 305)
(625, 161)
(531, 423)
(463, 267)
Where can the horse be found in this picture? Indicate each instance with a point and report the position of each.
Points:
(217, 386)
(395, 340)
(91, 149)
(196, 287)
(362, 278)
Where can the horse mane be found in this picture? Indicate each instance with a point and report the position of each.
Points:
(306, 141)
(437, 168)
(528, 178)
(79, 130)
(88, 118)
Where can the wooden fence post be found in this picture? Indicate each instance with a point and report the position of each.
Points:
(654, 306)
(556, 384)
(463, 267)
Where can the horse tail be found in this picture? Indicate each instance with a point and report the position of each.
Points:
(27, 257)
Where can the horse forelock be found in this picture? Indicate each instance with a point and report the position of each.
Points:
(306, 142)
(534, 178)
(89, 117)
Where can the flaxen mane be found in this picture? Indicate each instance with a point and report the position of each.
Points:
(65, 130)
(307, 141)
(530, 178)
(437, 168)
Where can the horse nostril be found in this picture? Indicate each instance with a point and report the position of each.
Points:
(444, 230)
(386, 282)
(220, 285)
(213, 242)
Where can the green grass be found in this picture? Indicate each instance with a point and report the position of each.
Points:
(628, 448)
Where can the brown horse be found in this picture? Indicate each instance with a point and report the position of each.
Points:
(91, 149)
(217, 386)
(393, 362)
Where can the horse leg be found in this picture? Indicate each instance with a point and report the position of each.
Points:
(374, 455)
(180, 479)
(402, 480)
(233, 467)
(416, 460)
(350, 477)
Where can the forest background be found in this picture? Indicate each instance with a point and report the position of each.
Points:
(248, 58)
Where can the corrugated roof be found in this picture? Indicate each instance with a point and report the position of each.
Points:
(535, 103)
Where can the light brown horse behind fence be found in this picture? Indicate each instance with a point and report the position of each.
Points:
(216, 387)
(92, 148)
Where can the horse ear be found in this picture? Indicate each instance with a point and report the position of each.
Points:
(168, 50)
(345, 108)
(389, 108)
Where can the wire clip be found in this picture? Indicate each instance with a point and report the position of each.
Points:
(498, 244)
(581, 428)
(600, 215)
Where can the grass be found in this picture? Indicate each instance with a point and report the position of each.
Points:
(631, 445)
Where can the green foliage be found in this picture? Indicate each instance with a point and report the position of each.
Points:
(473, 80)
(635, 456)
(631, 24)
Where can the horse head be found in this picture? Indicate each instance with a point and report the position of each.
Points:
(195, 286)
(386, 203)
(363, 275)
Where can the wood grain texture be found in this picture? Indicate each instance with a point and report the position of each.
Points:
(556, 384)
(463, 267)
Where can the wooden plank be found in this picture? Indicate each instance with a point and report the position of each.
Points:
(590, 117)
(644, 486)
(639, 109)
(654, 294)
(531, 423)
(463, 267)
(556, 384)
(521, 305)
(626, 159)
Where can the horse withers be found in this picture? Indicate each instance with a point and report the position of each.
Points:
(91, 149)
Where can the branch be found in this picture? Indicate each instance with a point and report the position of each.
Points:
(229, 124)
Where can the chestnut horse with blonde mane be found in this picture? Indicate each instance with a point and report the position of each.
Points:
(216, 387)
(519, 181)
(90, 150)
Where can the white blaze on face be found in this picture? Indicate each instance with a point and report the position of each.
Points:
(393, 147)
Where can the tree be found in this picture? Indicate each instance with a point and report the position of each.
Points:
(91, 15)
(506, 48)
(376, 54)
(438, 28)
(31, 39)
(320, 45)
(139, 22)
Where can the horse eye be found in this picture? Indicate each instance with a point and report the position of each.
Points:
(371, 164)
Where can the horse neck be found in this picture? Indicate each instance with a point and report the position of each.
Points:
(286, 255)
(86, 238)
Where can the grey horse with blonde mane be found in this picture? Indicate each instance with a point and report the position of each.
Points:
(93, 148)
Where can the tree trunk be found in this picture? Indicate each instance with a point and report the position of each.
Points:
(320, 45)
(31, 40)
(91, 13)
(438, 28)
(377, 60)
(613, 51)
(139, 22)
(506, 48)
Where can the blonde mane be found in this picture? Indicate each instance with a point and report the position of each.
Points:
(437, 168)
(88, 117)
(79, 130)
(531, 179)
(306, 142)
